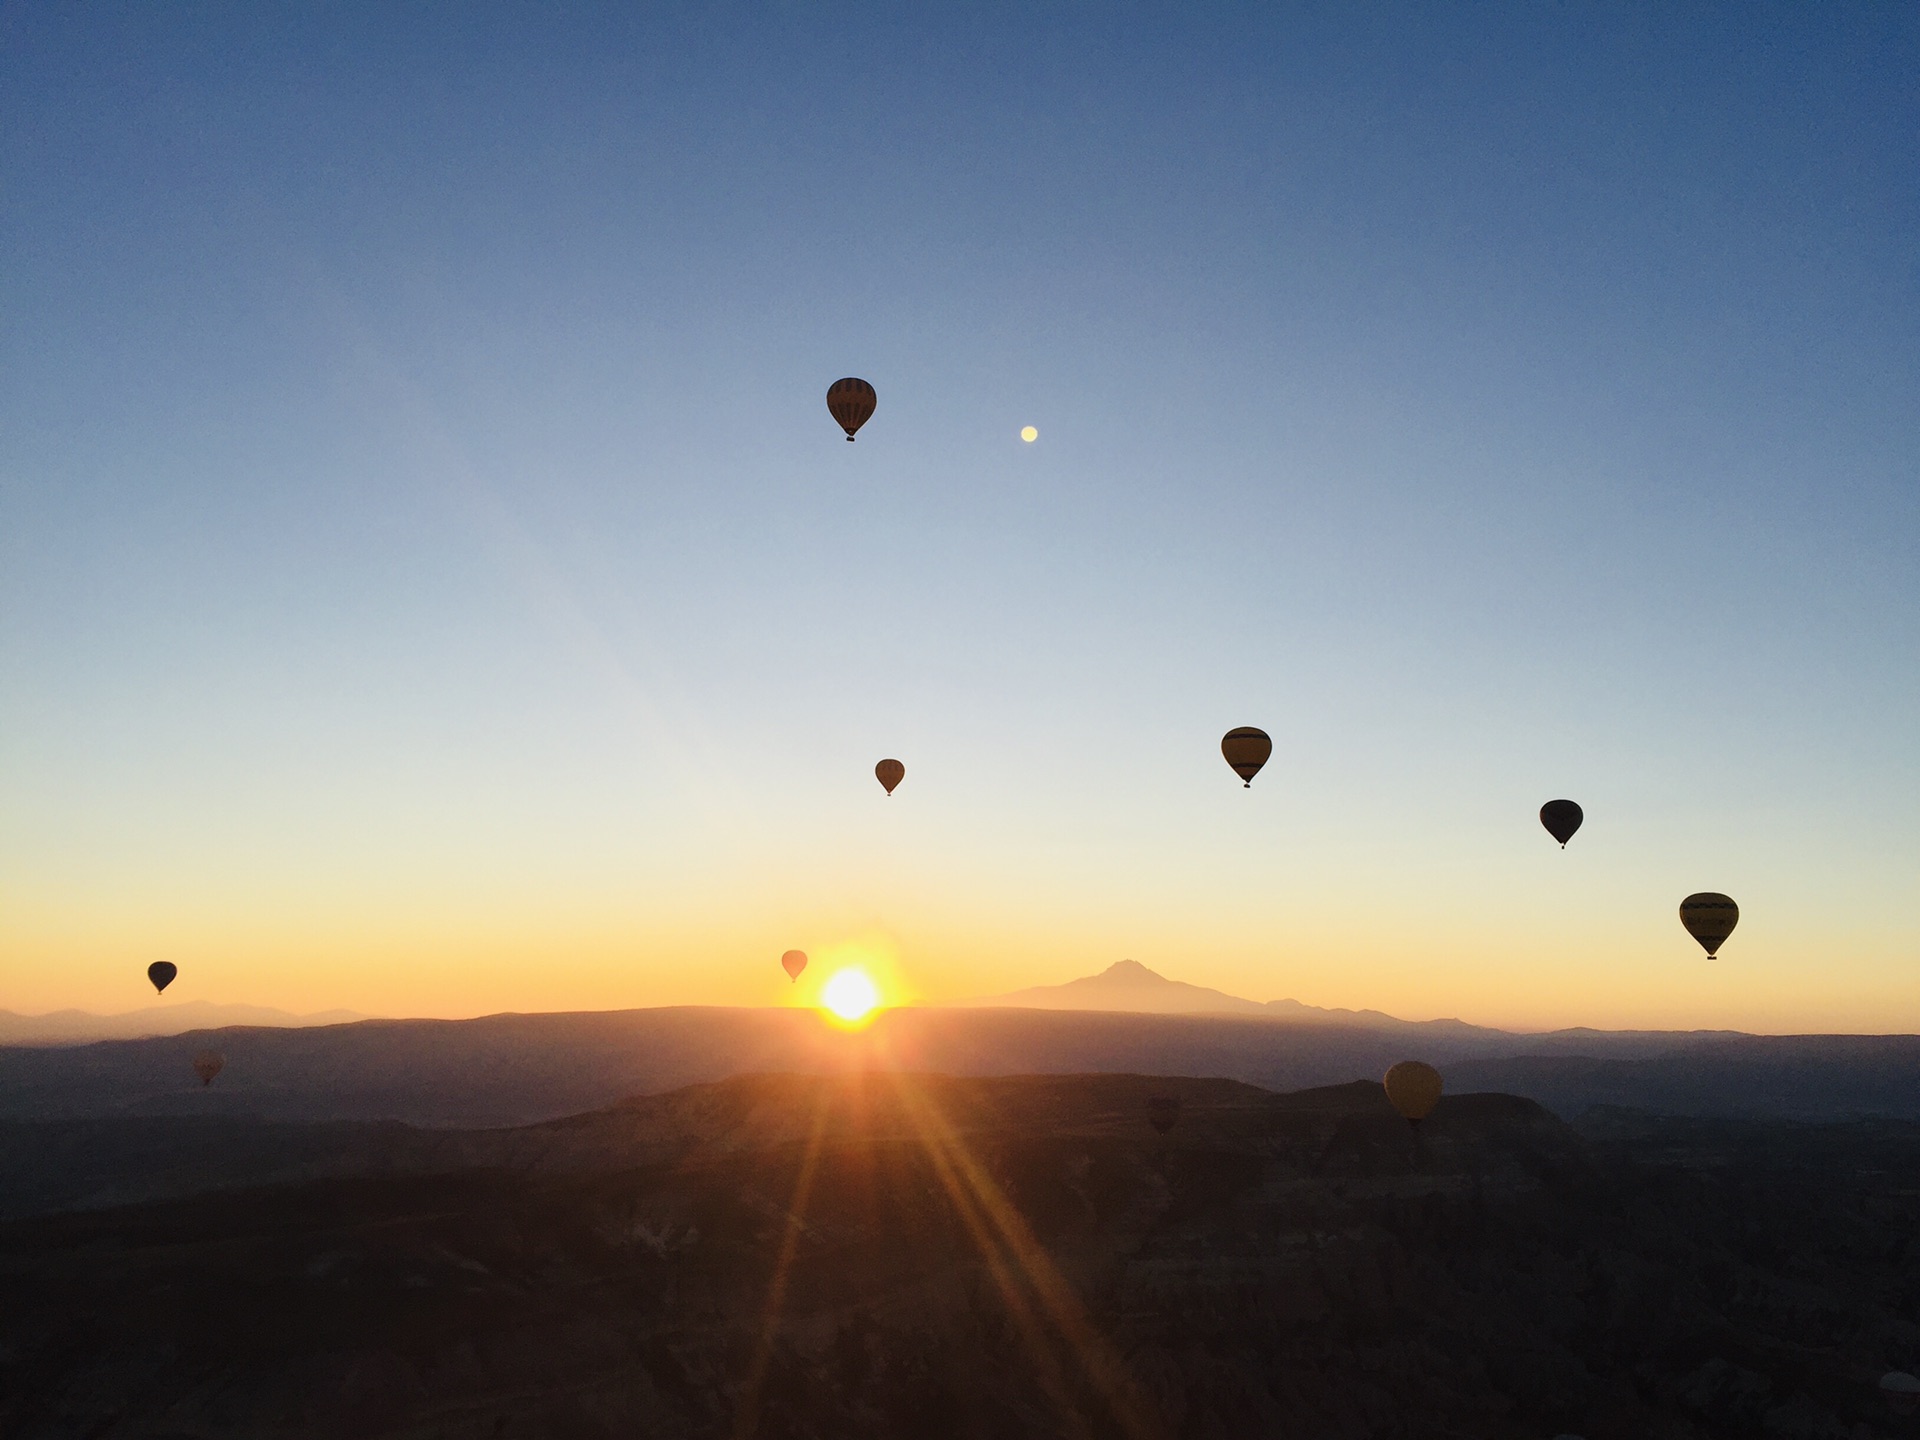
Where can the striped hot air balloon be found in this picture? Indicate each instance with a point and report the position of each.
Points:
(850, 402)
(1709, 918)
(1246, 750)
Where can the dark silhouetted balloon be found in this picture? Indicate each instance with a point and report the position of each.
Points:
(1562, 818)
(890, 773)
(1246, 750)
(851, 402)
(207, 1064)
(1162, 1112)
(161, 973)
(1710, 919)
(1414, 1088)
(793, 962)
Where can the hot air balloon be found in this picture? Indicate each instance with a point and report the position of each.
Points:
(207, 1064)
(850, 402)
(1901, 1391)
(1562, 818)
(1710, 919)
(1162, 1112)
(793, 962)
(161, 973)
(890, 773)
(1414, 1088)
(1246, 750)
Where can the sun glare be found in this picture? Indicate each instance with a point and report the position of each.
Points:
(850, 994)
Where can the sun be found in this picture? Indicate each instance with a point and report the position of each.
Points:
(850, 994)
(1029, 434)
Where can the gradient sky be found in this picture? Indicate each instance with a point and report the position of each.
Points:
(430, 582)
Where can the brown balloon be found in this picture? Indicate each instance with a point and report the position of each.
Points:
(1414, 1088)
(793, 962)
(161, 974)
(851, 402)
(1246, 750)
(207, 1064)
(1163, 1111)
(890, 773)
(1709, 918)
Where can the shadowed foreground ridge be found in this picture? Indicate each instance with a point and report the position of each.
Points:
(887, 1255)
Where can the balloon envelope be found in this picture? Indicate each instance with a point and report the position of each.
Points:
(890, 773)
(1246, 750)
(1414, 1088)
(1162, 1112)
(793, 962)
(207, 1064)
(161, 973)
(1709, 918)
(1562, 818)
(850, 402)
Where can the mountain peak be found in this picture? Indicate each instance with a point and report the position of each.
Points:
(1129, 970)
(1129, 985)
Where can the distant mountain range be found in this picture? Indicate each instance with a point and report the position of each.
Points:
(516, 1069)
(77, 1027)
(1130, 986)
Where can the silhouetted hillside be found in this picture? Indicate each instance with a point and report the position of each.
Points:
(892, 1255)
(514, 1069)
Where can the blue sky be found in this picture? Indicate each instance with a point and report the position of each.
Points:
(429, 579)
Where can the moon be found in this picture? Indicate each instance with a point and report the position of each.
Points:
(1029, 434)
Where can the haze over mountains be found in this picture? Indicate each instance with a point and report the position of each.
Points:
(1129, 985)
(74, 1027)
(519, 1069)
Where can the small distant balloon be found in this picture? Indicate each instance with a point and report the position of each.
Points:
(850, 402)
(1709, 918)
(890, 773)
(1029, 434)
(793, 962)
(1163, 1111)
(1414, 1088)
(161, 973)
(1246, 750)
(207, 1064)
(1562, 818)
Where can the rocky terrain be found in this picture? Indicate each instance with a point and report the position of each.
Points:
(879, 1254)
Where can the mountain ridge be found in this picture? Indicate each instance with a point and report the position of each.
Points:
(78, 1027)
(1127, 985)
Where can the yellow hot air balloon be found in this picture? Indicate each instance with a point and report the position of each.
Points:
(890, 773)
(793, 962)
(1709, 918)
(851, 402)
(1414, 1088)
(1246, 750)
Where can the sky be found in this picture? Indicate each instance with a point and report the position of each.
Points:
(431, 584)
